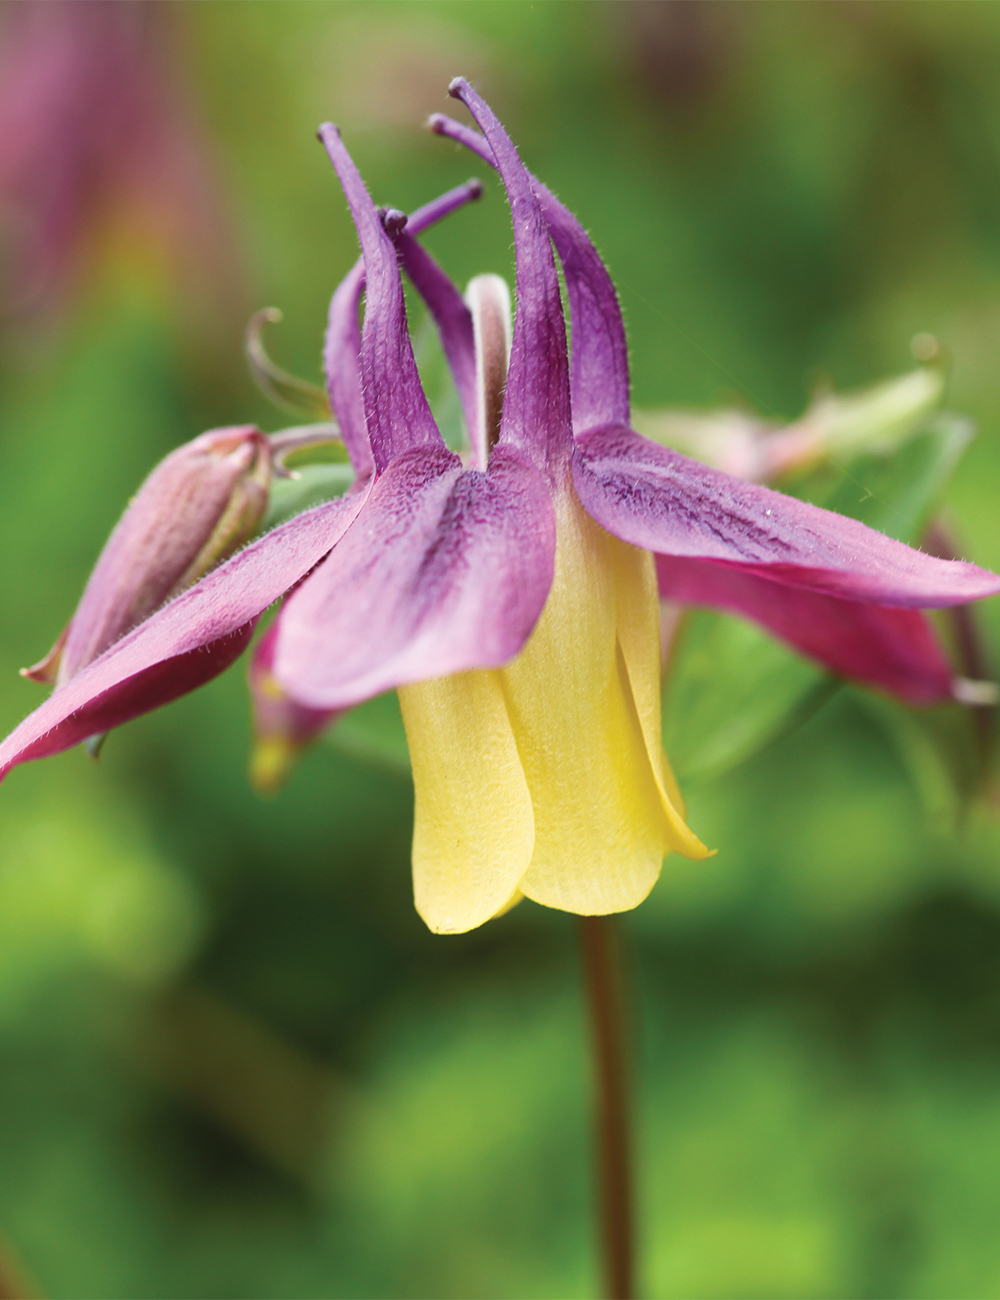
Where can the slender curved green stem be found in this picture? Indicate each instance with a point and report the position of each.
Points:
(613, 1137)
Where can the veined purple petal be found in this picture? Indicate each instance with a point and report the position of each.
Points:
(658, 499)
(599, 380)
(444, 570)
(536, 409)
(451, 315)
(342, 346)
(881, 645)
(397, 414)
(184, 644)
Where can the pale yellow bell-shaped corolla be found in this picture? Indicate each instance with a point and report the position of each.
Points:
(547, 778)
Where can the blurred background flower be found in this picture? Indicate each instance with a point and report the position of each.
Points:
(103, 158)
(232, 1061)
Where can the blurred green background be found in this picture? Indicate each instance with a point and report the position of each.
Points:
(232, 1060)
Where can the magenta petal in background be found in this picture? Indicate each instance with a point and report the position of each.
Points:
(881, 645)
(186, 643)
(662, 501)
(444, 570)
(276, 715)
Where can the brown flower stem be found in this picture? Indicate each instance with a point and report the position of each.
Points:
(605, 1000)
(14, 1281)
(971, 657)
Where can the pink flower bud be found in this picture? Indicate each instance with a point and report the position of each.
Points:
(196, 508)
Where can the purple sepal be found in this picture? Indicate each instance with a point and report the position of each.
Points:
(446, 569)
(536, 410)
(599, 380)
(186, 643)
(880, 645)
(658, 499)
(93, 712)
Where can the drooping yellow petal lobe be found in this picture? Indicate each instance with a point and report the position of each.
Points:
(637, 612)
(601, 828)
(473, 824)
(547, 778)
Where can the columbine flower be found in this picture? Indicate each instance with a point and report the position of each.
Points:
(512, 599)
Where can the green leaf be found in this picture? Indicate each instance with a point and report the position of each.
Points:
(934, 748)
(731, 690)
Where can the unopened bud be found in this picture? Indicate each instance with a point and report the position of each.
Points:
(874, 421)
(282, 727)
(196, 508)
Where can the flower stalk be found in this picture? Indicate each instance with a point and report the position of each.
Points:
(606, 1007)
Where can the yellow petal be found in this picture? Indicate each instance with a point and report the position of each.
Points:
(473, 825)
(637, 612)
(600, 827)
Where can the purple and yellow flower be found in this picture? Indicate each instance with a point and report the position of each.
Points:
(512, 596)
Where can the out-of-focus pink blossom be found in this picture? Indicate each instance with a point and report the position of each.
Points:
(98, 144)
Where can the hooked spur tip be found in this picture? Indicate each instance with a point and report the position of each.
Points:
(325, 129)
(475, 187)
(456, 86)
(436, 123)
(393, 220)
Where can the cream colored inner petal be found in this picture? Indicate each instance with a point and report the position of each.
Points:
(600, 827)
(639, 639)
(473, 824)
